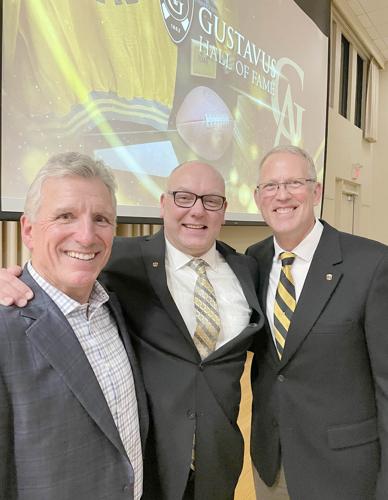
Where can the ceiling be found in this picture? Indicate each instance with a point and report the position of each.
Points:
(373, 16)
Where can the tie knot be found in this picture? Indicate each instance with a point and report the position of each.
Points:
(287, 258)
(199, 266)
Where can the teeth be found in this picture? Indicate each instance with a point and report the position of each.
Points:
(195, 226)
(81, 256)
(284, 210)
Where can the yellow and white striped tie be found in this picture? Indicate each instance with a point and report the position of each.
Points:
(285, 301)
(206, 311)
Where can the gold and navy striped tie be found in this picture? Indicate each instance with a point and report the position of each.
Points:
(206, 311)
(285, 301)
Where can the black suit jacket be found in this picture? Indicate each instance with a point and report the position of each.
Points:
(58, 439)
(185, 393)
(325, 403)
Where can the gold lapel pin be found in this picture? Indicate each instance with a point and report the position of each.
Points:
(329, 277)
(155, 264)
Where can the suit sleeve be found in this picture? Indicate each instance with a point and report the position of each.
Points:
(7, 472)
(376, 328)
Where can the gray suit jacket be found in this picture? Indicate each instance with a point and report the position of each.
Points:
(58, 439)
(184, 392)
(323, 409)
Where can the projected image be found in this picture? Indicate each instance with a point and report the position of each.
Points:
(146, 85)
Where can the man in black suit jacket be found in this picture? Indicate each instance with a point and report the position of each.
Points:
(320, 414)
(63, 434)
(188, 396)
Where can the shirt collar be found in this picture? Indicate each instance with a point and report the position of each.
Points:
(66, 304)
(306, 248)
(178, 259)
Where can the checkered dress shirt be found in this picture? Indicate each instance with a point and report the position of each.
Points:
(96, 331)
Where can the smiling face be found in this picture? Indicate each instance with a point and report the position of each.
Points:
(71, 236)
(291, 216)
(193, 230)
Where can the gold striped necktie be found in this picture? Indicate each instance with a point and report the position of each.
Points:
(285, 301)
(206, 311)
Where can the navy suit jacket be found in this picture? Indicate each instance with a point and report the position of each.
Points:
(185, 393)
(323, 409)
(58, 439)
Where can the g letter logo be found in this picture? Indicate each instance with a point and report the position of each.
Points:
(177, 16)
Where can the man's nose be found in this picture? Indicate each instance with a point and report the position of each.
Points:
(198, 207)
(282, 192)
(86, 231)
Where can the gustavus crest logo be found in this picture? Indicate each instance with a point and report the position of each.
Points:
(177, 16)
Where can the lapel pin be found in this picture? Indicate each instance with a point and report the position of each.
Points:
(155, 264)
(329, 277)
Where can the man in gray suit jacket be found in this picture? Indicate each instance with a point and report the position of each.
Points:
(73, 414)
(320, 376)
(194, 399)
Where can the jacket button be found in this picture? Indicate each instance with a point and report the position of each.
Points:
(281, 378)
(126, 488)
(191, 414)
(274, 422)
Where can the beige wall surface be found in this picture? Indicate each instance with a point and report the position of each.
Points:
(241, 237)
(346, 149)
(379, 205)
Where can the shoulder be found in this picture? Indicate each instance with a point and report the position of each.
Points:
(229, 253)
(13, 325)
(260, 247)
(126, 243)
(358, 246)
(9, 315)
(125, 250)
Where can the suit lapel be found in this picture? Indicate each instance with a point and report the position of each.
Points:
(154, 250)
(52, 335)
(321, 281)
(265, 264)
(115, 309)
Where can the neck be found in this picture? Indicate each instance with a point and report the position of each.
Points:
(290, 241)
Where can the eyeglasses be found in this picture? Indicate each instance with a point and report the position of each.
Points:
(292, 186)
(185, 199)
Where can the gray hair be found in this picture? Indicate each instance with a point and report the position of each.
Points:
(312, 172)
(68, 164)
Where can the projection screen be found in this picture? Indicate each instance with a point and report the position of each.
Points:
(147, 84)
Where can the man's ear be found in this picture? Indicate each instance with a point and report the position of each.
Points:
(162, 202)
(317, 193)
(224, 210)
(256, 197)
(26, 231)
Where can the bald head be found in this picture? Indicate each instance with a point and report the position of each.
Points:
(197, 168)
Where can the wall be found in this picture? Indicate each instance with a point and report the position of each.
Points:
(379, 222)
(241, 237)
(346, 148)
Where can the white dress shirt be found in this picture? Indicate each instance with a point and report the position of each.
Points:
(304, 254)
(233, 307)
(96, 331)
